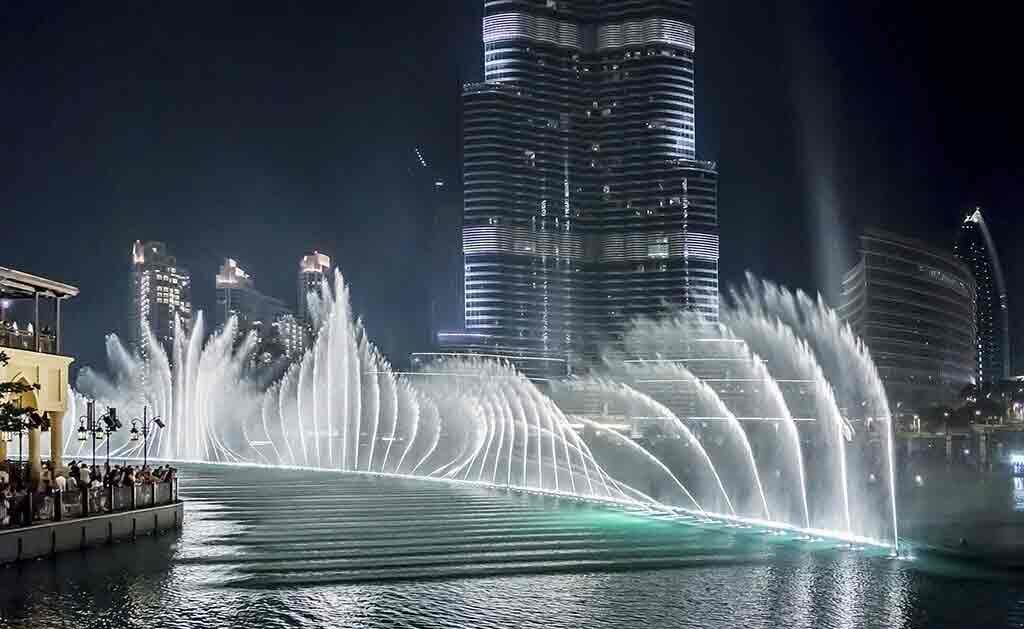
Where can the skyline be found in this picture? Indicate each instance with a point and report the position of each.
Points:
(182, 143)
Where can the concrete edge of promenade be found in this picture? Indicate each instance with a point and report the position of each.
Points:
(52, 538)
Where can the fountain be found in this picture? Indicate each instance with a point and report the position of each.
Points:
(668, 433)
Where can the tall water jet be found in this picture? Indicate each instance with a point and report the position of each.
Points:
(792, 355)
(844, 358)
(341, 406)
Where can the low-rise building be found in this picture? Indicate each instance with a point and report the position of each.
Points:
(35, 357)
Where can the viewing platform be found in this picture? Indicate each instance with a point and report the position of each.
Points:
(42, 525)
(44, 511)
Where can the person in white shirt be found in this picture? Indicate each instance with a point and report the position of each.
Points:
(84, 472)
(60, 483)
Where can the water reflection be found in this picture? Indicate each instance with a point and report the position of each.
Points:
(241, 562)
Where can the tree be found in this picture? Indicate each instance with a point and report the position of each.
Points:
(13, 416)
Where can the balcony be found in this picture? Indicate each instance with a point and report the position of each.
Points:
(14, 335)
(35, 303)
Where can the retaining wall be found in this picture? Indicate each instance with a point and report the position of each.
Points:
(44, 540)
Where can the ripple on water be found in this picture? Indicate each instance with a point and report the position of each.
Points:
(288, 549)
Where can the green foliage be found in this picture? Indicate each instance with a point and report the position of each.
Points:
(13, 416)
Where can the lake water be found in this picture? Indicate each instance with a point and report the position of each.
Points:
(265, 548)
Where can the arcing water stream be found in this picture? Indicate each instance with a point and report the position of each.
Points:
(742, 419)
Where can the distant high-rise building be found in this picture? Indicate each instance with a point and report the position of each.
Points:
(314, 270)
(976, 249)
(584, 203)
(161, 298)
(914, 307)
(237, 297)
(291, 334)
(277, 331)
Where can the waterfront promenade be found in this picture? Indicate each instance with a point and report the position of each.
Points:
(63, 512)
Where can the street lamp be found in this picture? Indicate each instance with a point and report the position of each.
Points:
(144, 423)
(89, 424)
(110, 425)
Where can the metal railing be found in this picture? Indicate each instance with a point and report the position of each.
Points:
(57, 506)
(17, 338)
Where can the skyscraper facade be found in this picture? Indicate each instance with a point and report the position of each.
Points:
(584, 203)
(314, 270)
(161, 298)
(278, 333)
(974, 246)
(914, 306)
(237, 297)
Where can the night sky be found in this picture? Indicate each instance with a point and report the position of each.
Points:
(262, 132)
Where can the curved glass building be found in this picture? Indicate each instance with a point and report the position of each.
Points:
(976, 249)
(584, 203)
(914, 307)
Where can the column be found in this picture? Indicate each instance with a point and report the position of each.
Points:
(3, 447)
(34, 462)
(57, 441)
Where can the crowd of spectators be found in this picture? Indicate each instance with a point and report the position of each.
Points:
(15, 484)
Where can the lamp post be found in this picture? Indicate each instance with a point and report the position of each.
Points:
(110, 425)
(144, 423)
(89, 424)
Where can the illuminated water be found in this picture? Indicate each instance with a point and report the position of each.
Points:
(290, 549)
(739, 455)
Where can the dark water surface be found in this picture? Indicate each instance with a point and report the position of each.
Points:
(292, 549)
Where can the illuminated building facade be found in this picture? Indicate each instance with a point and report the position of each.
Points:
(278, 332)
(976, 249)
(914, 307)
(237, 297)
(292, 335)
(314, 270)
(161, 298)
(584, 203)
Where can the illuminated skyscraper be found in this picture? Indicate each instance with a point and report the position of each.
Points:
(278, 333)
(976, 249)
(314, 270)
(584, 203)
(161, 297)
(237, 297)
